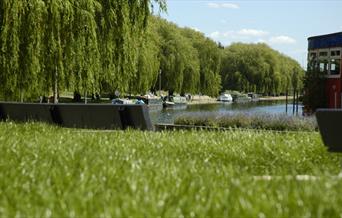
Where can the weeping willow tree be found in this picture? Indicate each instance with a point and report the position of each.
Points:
(86, 66)
(54, 43)
(9, 45)
(121, 46)
(148, 67)
(50, 45)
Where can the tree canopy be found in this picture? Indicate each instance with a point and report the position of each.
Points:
(48, 45)
(258, 68)
(190, 62)
(94, 46)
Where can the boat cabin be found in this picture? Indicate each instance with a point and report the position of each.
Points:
(324, 55)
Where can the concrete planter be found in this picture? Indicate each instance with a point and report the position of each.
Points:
(330, 122)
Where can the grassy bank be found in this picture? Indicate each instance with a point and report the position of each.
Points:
(277, 98)
(48, 171)
(251, 121)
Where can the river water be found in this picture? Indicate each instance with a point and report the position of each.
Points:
(273, 107)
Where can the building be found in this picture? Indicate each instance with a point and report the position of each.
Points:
(324, 55)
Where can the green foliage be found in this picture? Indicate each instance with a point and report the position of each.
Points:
(190, 62)
(53, 172)
(103, 46)
(258, 68)
(209, 55)
(148, 61)
(173, 52)
(53, 45)
(10, 38)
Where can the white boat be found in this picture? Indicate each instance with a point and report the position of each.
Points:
(122, 101)
(168, 104)
(179, 100)
(173, 101)
(152, 100)
(225, 98)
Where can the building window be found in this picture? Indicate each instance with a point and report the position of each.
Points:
(335, 53)
(313, 55)
(323, 66)
(313, 66)
(323, 54)
(335, 66)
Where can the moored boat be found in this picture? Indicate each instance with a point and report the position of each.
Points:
(242, 99)
(173, 101)
(225, 98)
(253, 96)
(122, 101)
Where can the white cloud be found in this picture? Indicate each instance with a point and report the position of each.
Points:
(213, 5)
(243, 34)
(230, 6)
(282, 40)
(223, 5)
(251, 36)
(252, 32)
(215, 34)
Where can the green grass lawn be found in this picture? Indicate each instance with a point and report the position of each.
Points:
(46, 171)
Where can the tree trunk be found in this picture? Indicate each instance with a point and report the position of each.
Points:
(21, 95)
(294, 102)
(55, 88)
(85, 97)
(287, 99)
(297, 102)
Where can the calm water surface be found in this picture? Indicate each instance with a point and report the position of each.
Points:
(273, 107)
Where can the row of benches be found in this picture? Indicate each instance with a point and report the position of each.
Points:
(92, 116)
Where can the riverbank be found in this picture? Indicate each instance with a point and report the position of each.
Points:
(275, 98)
(202, 99)
(197, 100)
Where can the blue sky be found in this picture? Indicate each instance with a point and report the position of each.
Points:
(284, 25)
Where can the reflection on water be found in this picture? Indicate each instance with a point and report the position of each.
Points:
(274, 107)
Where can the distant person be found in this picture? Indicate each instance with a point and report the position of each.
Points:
(43, 99)
(77, 97)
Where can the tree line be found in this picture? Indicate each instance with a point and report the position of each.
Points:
(193, 63)
(103, 46)
(258, 68)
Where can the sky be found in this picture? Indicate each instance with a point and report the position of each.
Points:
(285, 25)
